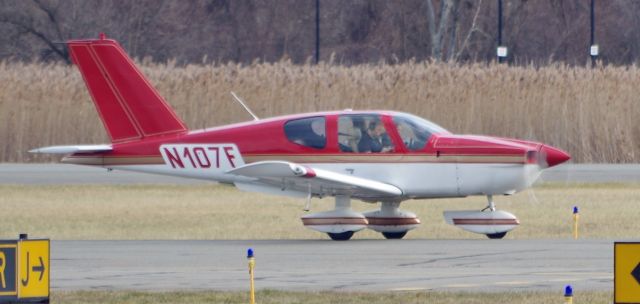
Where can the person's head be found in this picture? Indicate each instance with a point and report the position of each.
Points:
(376, 128)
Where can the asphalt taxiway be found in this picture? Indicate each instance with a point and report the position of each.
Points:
(356, 265)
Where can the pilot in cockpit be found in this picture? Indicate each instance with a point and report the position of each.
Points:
(375, 139)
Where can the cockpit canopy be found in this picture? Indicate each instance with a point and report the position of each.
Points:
(363, 132)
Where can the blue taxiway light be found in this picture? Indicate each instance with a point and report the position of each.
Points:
(568, 291)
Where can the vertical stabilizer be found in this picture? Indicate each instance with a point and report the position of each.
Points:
(129, 106)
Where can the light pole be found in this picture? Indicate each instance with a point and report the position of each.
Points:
(317, 31)
(593, 47)
(501, 50)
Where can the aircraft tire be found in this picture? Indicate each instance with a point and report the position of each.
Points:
(394, 235)
(496, 236)
(343, 236)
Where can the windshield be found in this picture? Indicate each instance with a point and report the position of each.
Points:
(415, 131)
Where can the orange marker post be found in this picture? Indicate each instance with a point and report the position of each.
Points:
(576, 217)
(252, 264)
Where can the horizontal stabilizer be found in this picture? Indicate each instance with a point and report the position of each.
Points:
(73, 149)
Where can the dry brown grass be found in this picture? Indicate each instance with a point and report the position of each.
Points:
(590, 112)
(221, 212)
(286, 297)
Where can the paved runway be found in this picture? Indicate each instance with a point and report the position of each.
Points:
(71, 174)
(357, 265)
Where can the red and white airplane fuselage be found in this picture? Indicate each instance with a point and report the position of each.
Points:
(448, 165)
(374, 156)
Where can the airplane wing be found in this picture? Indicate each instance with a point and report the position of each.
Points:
(73, 149)
(292, 178)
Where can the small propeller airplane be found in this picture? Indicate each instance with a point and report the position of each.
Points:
(381, 157)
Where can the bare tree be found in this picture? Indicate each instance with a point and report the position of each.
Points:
(357, 31)
(473, 29)
(40, 20)
(438, 27)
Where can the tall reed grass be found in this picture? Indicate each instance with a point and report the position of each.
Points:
(592, 113)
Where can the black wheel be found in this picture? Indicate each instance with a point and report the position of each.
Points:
(343, 236)
(394, 235)
(495, 236)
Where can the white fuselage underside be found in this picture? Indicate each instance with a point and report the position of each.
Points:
(417, 180)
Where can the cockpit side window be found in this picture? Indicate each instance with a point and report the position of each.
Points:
(363, 133)
(308, 132)
(349, 134)
(414, 131)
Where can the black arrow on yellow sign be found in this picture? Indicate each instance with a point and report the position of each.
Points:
(39, 269)
(636, 273)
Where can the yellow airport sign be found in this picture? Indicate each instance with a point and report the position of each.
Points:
(33, 269)
(626, 273)
(24, 271)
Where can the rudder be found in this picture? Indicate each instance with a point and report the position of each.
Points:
(129, 106)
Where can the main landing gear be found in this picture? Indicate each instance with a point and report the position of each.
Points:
(394, 235)
(342, 236)
(392, 222)
(342, 222)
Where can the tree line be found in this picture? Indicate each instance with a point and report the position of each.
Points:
(351, 31)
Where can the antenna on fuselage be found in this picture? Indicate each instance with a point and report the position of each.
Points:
(238, 99)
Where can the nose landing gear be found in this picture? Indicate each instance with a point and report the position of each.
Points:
(491, 222)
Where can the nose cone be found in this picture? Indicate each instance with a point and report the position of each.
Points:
(554, 156)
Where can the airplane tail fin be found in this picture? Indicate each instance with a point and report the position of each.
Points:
(129, 106)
